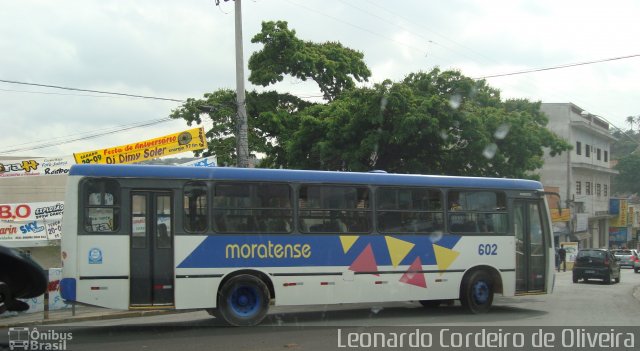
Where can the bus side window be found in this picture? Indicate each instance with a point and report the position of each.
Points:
(195, 219)
(102, 205)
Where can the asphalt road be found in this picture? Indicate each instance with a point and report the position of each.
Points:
(574, 306)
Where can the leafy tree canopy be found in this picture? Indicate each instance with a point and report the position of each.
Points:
(627, 180)
(332, 66)
(436, 122)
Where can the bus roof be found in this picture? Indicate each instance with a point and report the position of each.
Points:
(286, 175)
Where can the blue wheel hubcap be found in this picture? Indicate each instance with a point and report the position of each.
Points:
(480, 292)
(245, 300)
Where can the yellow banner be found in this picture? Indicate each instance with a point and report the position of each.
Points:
(557, 217)
(189, 140)
(622, 219)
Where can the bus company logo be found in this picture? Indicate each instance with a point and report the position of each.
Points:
(95, 256)
(32, 339)
(267, 251)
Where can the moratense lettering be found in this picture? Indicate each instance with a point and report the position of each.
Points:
(268, 250)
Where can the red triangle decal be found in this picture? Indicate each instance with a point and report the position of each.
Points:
(414, 275)
(365, 262)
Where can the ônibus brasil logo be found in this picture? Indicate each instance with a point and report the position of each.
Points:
(32, 339)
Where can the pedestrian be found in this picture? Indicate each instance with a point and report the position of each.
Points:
(563, 258)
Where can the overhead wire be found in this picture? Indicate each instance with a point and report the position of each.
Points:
(88, 90)
(87, 137)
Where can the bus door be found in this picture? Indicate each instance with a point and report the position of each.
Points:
(151, 249)
(531, 246)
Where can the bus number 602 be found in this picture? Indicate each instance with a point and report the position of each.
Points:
(488, 249)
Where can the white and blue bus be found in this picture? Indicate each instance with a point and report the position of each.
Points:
(235, 241)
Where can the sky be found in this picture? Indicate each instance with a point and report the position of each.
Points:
(184, 49)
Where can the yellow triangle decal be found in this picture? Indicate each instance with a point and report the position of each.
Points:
(348, 241)
(444, 257)
(398, 249)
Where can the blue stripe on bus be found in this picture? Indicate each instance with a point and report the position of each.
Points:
(282, 175)
(224, 251)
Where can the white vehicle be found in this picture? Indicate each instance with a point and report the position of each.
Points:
(233, 241)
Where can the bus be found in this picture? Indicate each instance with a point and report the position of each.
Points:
(234, 241)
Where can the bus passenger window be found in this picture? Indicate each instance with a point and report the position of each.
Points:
(409, 210)
(195, 218)
(477, 212)
(334, 209)
(243, 207)
(102, 206)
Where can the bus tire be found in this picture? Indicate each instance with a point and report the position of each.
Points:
(243, 300)
(476, 292)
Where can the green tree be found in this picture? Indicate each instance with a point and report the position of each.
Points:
(332, 66)
(437, 122)
(627, 180)
(269, 116)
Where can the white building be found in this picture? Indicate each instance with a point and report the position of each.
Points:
(582, 174)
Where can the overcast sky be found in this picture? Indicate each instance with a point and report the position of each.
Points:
(181, 49)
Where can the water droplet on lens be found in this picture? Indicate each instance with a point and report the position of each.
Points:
(383, 103)
(490, 151)
(502, 131)
(455, 101)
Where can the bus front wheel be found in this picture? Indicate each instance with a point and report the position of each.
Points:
(476, 293)
(243, 300)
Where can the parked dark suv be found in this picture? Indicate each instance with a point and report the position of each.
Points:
(596, 264)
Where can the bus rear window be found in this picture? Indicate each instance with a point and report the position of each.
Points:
(101, 205)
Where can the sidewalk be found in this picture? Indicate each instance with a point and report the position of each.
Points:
(82, 313)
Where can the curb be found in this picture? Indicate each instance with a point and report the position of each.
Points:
(107, 316)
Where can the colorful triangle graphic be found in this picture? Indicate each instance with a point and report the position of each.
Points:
(414, 275)
(444, 257)
(347, 241)
(365, 262)
(398, 249)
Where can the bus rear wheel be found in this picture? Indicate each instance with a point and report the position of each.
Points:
(476, 292)
(243, 301)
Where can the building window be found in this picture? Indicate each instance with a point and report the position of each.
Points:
(598, 188)
(578, 188)
(606, 156)
(598, 155)
(578, 148)
(605, 189)
(587, 150)
(587, 188)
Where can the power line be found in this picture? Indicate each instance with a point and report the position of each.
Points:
(89, 91)
(356, 26)
(61, 94)
(92, 136)
(559, 66)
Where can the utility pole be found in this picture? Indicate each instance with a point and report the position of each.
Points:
(242, 139)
